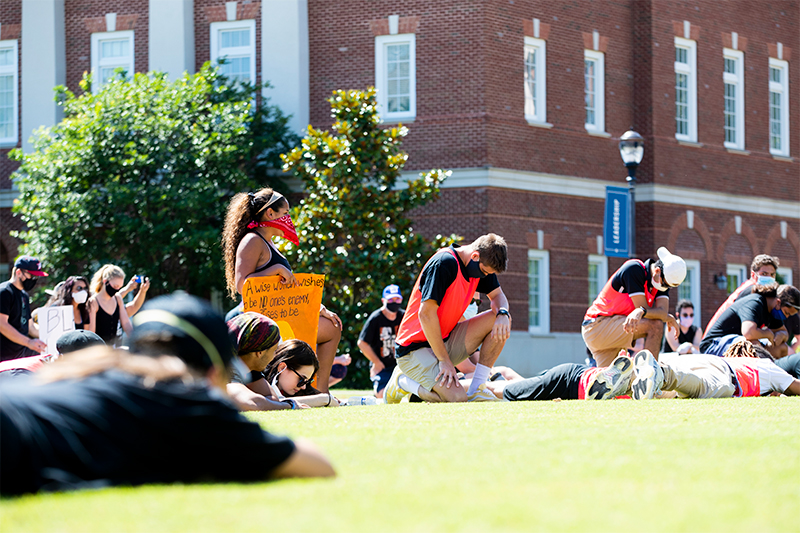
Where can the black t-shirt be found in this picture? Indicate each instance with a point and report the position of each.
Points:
(380, 333)
(109, 429)
(631, 277)
(688, 336)
(750, 308)
(16, 304)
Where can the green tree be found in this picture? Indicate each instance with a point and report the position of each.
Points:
(139, 174)
(353, 223)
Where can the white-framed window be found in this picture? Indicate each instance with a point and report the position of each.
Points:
(235, 42)
(685, 89)
(785, 273)
(9, 93)
(690, 288)
(110, 51)
(538, 291)
(598, 275)
(733, 83)
(778, 107)
(535, 80)
(594, 89)
(396, 75)
(736, 275)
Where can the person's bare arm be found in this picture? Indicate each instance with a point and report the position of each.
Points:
(248, 256)
(794, 389)
(124, 320)
(429, 320)
(658, 312)
(33, 329)
(369, 353)
(752, 332)
(672, 340)
(502, 324)
(138, 300)
(698, 338)
(305, 461)
(324, 399)
(11, 333)
(247, 400)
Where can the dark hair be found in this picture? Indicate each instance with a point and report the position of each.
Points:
(744, 348)
(789, 295)
(770, 290)
(295, 353)
(64, 296)
(682, 304)
(764, 259)
(493, 251)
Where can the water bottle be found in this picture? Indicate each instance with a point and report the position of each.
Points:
(361, 400)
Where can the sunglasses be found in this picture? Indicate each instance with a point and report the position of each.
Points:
(302, 381)
(688, 316)
(476, 301)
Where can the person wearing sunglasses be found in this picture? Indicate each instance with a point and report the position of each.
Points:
(633, 304)
(688, 337)
(291, 373)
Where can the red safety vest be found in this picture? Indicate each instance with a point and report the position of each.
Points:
(727, 303)
(456, 300)
(612, 303)
(747, 374)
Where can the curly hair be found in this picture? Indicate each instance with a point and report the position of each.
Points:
(243, 209)
(63, 296)
(744, 348)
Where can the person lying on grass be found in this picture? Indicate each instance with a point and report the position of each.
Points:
(291, 373)
(746, 369)
(570, 381)
(158, 414)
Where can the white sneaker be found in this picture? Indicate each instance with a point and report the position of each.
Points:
(611, 381)
(649, 376)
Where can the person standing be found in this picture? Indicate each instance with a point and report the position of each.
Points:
(377, 338)
(108, 308)
(633, 304)
(19, 335)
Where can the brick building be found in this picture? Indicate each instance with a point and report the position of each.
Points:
(524, 100)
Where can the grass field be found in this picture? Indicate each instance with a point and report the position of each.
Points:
(670, 465)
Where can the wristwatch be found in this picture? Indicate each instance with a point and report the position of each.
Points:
(503, 311)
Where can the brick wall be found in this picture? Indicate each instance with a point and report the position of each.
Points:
(11, 21)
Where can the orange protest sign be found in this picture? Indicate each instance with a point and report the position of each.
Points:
(294, 309)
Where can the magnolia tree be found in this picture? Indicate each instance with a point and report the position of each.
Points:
(139, 174)
(353, 223)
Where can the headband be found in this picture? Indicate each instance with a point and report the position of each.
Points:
(272, 199)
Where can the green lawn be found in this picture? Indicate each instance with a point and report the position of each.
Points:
(670, 465)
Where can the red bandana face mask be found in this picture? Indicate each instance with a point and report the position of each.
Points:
(283, 223)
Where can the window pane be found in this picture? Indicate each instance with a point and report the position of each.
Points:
(685, 288)
(534, 292)
(110, 49)
(589, 89)
(593, 282)
(730, 66)
(681, 55)
(530, 81)
(682, 104)
(6, 57)
(730, 113)
(6, 106)
(775, 137)
(398, 78)
(234, 38)
(237, 68)
(774, 74)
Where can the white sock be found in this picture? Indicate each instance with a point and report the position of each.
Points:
(479, 377)
(408, 384)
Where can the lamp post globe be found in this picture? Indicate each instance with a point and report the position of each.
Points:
(631, 149)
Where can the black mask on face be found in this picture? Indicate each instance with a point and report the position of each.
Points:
(474, 270)
(29, 284)
(393, 306)
(111, 290)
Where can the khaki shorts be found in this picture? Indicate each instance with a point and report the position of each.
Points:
(605, 338)
(423, 367)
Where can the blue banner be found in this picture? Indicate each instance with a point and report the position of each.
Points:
(616, 233)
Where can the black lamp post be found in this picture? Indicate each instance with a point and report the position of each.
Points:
(631, 148)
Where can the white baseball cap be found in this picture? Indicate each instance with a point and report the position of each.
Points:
(674, 271)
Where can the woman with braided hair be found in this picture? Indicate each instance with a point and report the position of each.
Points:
(251, 223)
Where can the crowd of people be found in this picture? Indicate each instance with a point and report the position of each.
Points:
(142, 392)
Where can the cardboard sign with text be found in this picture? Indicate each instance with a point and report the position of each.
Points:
(294, 309)
(54, 322)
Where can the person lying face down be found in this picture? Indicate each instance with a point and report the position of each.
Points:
(159, 414)
(291, 374)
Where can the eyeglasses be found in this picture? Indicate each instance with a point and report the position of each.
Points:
(687, 316)
(302, 381)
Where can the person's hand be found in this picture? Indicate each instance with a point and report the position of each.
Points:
(287, 276)
(302, 405)
(686, 347)
(780, 337)
(632, 320)
(501, 330)
(144, 285)
(343, 359)
(376, 369)
(671, 323)
(324, 312)
(447, 374)
(37, 345)
(768, 334)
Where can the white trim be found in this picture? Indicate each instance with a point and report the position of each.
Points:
(601, 261)
(736, 80)
(111, 22)
(781, 88)
(598, 58)
(784, 228)
(230, 11)
(539, 47)
(544, 293)
(738, 270)
(595, 40)
(687, 29)
(786, 274)
(126, 62)
(234, 52)
(394, 24)
(690, 70)
(381, 74)
(537, 26)
(694, 277)
(13, 71)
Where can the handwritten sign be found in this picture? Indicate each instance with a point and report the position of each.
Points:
(294, 309)
(54, 322)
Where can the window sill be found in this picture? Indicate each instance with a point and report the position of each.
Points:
(784, 158)
(603, 134)
(8, 145)
(737, 151)
(392, 120)
(537, 124)
(690, 143)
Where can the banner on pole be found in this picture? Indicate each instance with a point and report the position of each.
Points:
(616, 233)
(53, 322)
(294, 309)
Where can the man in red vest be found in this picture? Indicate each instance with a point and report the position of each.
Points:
(634, 303)
(431, 341)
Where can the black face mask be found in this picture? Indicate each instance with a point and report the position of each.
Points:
(111, 290)
(473, 270)
(393, 306)
(29, 284)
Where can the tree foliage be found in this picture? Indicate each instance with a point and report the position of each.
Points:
(139, 174)
(353, 223)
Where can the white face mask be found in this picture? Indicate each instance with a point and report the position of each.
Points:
(765, 280)
(80, 297)
(687, 321)
(471, 311)
(657, 286)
